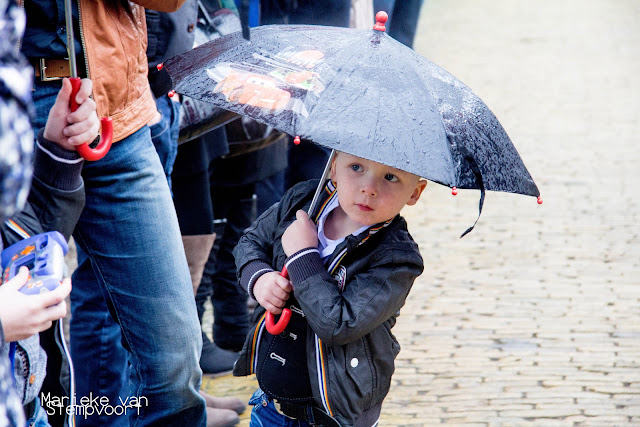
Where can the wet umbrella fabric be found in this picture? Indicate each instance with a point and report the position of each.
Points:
(360, 92)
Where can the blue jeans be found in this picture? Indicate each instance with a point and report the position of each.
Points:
(265, 414)
(164, 134)
(134, 269)
(96, 344)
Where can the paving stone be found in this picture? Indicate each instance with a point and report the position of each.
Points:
(600, 421)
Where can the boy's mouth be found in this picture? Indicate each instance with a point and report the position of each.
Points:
(364, 207)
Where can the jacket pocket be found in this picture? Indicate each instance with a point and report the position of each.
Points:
(360, 369)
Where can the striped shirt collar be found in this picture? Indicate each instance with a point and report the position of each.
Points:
(364, 234)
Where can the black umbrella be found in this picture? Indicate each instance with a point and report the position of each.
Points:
(361, 92)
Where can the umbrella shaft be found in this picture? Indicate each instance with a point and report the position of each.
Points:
(325, 175)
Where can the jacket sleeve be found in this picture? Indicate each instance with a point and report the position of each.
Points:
(370, 298)
(161, 5)
(57, 193)
(253, 253)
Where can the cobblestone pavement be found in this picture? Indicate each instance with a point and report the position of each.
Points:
(533, 319)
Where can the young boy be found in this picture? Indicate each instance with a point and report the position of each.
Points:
(350, 276)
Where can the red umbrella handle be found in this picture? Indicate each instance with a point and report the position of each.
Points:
(88, 153)
(270, 323)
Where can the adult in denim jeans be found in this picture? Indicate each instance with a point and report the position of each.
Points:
(128, 259)
(133, 257)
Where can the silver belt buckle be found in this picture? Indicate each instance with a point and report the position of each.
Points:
(43, 74)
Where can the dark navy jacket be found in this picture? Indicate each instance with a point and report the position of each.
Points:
(45, 35)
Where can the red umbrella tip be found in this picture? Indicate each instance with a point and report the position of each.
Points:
(160, 66)
(381, 18)
(539, 200)
(454, 191)
(296, 140)
(171, 93)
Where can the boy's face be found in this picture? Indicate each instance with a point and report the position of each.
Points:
(371, 192)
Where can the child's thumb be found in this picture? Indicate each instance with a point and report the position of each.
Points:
(18, 281)
(302, 215)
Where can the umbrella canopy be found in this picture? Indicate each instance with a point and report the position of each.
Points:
(361, 92)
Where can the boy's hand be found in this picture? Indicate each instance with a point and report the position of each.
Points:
(272, 291)
(25, 315)
(69, 129)
(301, 234)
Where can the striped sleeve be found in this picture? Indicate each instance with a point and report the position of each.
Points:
(304, 264)
(57, 167)
(251, 272)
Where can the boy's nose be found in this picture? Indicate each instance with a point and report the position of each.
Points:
(369, 190)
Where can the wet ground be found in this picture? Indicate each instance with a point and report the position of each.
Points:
(533, 319)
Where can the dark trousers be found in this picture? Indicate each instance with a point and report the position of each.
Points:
(309, 12)
(234, 210)
(403, 18)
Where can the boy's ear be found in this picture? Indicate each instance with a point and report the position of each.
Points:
(333, 169)
(415, 196)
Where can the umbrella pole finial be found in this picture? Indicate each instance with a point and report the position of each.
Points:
(381, 18)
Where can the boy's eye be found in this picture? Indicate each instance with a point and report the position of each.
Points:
(356, 167)
(391, 177)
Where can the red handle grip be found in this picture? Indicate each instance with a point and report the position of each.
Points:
(88, 153)
(269, 322)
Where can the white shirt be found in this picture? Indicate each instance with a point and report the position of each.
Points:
(326, 246)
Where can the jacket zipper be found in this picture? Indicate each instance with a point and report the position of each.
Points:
(322, 378)
(82, 44)
(19, 44)
(256, 344)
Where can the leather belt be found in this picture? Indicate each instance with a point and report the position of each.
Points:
(49, 69)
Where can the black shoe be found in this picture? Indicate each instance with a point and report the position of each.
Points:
(214, 360)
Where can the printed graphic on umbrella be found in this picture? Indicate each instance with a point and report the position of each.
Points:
(272, 84)
(361, 92)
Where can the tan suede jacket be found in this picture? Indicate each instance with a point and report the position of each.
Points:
(114, 39)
